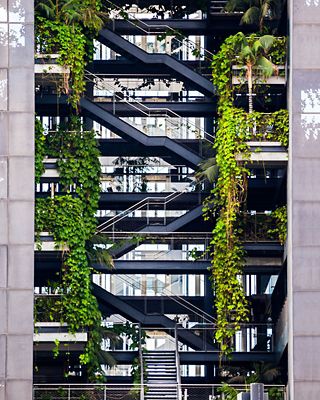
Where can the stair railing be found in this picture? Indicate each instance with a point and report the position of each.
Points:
(141, 365)
(179, 390)
(149, 29)
(168, 114)
(209, 319)
(138, 206)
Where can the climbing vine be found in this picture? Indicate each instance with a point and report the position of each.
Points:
(68, 28)
(39, 150)
(70, 219)
(235, 128)
(280, 217)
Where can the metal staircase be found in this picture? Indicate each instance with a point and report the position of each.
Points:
(160, 375)
(176, 67)
(110, 303)
(131, 133)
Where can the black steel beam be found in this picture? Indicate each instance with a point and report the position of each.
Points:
(184, 109)
(208, 357)
(125, 68)
(223, 24)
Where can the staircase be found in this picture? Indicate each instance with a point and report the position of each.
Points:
(177, 68)
(161, 375)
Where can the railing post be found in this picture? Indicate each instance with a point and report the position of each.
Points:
(105, 393)
(141, 366)
(177, 363)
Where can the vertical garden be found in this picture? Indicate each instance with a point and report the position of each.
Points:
(255, 58)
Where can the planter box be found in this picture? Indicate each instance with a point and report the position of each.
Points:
(279, 79)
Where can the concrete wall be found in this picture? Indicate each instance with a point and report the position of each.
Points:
(304, 201)
(16, 198)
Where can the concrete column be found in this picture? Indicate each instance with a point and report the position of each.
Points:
(304, 200)
(16, 198)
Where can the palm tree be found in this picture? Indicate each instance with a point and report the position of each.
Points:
(253, 55)
(255, 12)
(73, 12)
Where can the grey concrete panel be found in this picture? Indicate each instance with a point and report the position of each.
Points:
(305, 92)
(21, 45)
(2, 389)
(307, 221)
(306, 314)
(306, 358)
(306, 173)
(3, 266)
(3, 10)
(21, 170)
(21, 230)
(307, 390)
(4, 222)
(309, 38)
(3, 133)
(3, 178)
(20, 311)
(19, 362)
(21, 11)
(20, 273)
(17, 171)
(303, 13)
(306, 140)
(3, 311)
(21, 145)
(18, 389)
(307, 268)
(21, 85)
(4, 50)
(3, 89)
(2, 356)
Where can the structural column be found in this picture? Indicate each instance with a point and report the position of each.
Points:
(16, 198)
(304, 201)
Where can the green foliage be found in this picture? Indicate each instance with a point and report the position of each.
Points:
(275, 394)
(228, 391)
(235, 128)
(78, 163)
(69, 42)
(67, 27)
(227, 256)
(257, 12)
(39, 150)
(281, 218)
(72, 223)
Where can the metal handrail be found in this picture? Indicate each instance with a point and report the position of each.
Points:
(177, 298)
(147, 111)
(177, 363)
(138, 206)
(147, 30)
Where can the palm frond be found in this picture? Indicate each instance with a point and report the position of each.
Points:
(251, 16)
(266, 66)
(266, 42)
(208, 169)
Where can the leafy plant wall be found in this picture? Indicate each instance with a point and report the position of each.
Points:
(235, 128)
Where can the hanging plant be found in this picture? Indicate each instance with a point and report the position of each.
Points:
(39, 150)
(68, 28)
(71, 220)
